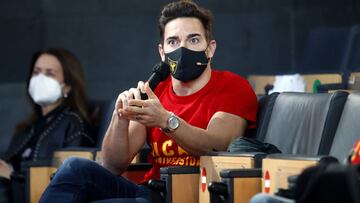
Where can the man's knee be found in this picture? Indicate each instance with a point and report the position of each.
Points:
(77, 163)
(74, 167)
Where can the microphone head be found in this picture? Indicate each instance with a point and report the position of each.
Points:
(159, 73)
(162, 70)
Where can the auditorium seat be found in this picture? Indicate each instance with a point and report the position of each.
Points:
(347, 134)
(265, 107)
(300, 121)
(339, 146)
(298, 125)
(348, 130)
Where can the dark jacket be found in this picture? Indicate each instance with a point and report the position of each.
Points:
(61, 128)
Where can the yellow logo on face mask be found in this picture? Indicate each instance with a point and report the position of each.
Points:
(173, 65)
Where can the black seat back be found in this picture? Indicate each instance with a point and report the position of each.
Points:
(300, 121)
(266, 105)
(348, 131)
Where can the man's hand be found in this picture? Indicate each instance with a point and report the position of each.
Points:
(148, 112)
(124, 137)
(5, 170)
(123, 99)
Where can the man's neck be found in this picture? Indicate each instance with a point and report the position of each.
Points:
(188, 88)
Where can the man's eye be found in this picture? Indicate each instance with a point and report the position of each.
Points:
(194, 40)
(172, 42)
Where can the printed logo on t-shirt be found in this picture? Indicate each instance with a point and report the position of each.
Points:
(168, 153)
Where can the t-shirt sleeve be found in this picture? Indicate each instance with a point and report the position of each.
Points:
(237, 97)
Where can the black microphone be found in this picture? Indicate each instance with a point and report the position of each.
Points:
(159, 73)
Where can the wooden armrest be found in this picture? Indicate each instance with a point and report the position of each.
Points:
(62, 154)
(37, 178)
(211, 166)
(277, 169)
(238, 185)
(181, 183)
(38, 173)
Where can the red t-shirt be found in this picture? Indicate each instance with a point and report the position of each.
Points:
(225, 92)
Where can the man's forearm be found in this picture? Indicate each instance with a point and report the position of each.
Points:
(115, 147)
(195, 140)
(222, 129)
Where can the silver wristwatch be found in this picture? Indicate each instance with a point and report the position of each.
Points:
(172, 123)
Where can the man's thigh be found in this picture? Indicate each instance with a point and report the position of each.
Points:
(85, 180)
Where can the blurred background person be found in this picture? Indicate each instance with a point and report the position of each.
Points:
(60, 114)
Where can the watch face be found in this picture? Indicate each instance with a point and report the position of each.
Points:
(173, 122)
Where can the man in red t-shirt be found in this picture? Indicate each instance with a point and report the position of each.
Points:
(223, 103)
(194, 111)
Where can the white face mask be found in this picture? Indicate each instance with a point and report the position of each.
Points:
(44, 90)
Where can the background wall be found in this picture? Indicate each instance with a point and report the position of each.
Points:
(116, 41)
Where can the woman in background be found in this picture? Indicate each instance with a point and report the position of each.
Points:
(60, 118)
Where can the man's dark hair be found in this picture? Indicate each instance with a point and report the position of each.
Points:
(186, 9)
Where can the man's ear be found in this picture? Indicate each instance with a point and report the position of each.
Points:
(161, 52)
(210, 51)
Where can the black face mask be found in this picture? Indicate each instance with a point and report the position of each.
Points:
(185, 64)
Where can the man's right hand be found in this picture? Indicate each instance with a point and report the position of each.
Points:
(123, 139)
(123, 101)
(5, 170)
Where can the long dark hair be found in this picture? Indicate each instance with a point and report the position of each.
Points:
(73, 76)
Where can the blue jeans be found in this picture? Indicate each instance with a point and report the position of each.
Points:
(82, 180)
(265, 198)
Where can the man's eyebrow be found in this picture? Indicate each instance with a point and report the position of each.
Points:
(193, 35)
(172, 37)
